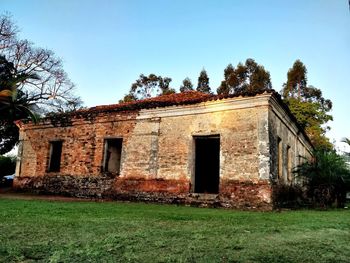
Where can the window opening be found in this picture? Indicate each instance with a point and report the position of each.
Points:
(112, 155)
(55, 156)
(280, 158)
(289, 164)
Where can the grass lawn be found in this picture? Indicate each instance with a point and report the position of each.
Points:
(48, 231)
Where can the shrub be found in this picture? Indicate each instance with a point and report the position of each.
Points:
(327, 179)
(288, 196)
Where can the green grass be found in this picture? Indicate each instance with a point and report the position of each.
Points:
(43, 231)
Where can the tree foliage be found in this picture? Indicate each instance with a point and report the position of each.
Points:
(249, 78)
(31, 79)
(148, 86)
(347, 141)
(7, 165)
(52, 90)
(13, 104)
(186, 85)
(296, 81)
(308, 105)
(203, 82)
(327, 178)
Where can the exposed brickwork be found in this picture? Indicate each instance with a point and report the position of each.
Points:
(158, 150)
(138, 185)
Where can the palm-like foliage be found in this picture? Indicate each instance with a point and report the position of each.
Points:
(327, 178)
(346, 140)
(13, 104)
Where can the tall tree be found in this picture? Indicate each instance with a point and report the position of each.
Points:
(50, 90)
(296, 81)
(308, 105)
(203, 82)
(148, 86)
(186, 85)
(245, 78)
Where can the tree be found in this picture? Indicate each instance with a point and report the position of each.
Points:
(148, 86)
(13, 104)
(308, 105)
(203, 82)
(248, 78)
(186, 85)
(52, 90)
(38, 82)
(296, 80)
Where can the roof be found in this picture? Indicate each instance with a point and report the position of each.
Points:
(189, 97)
(183, 98)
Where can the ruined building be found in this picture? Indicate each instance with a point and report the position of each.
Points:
(189, 148)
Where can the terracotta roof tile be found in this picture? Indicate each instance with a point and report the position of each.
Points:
(189, 97)
(184, 98)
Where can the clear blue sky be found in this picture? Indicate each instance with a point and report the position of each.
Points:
(105, 45)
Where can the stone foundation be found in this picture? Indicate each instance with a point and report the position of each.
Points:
(77, 186)
(233, 194)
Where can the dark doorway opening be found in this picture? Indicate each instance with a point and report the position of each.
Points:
(112, 155)
(207, 164)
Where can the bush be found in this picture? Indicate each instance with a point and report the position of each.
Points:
(7, 165)
(327, 179)
(288, 196)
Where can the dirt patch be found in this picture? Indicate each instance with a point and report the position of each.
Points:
(6, 193)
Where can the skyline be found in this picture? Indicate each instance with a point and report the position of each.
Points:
(106, 45)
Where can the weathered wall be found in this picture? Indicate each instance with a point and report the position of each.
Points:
(82, 149)
(281, 127)
(158, 153)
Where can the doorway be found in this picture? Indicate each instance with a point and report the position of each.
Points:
(207, 164)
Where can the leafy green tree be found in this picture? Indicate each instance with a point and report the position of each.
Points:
(296, 81)
(327, 178)
(164, 85)
(148, 86)
(308, 105)
(186, 85)
(248, 78)
(203, 82)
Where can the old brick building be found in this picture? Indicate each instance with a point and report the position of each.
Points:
(182, 148)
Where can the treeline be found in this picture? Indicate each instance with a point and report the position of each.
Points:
(305, 101)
